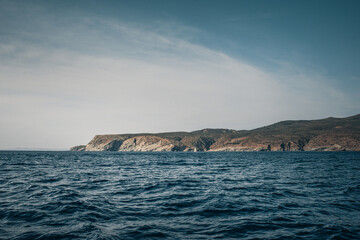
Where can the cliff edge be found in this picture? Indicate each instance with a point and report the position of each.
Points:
(330, 134)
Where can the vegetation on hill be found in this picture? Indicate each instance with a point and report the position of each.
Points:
(330, 134)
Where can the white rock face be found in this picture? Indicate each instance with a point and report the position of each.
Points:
(147, 144)
(97, 147)
(104, 143)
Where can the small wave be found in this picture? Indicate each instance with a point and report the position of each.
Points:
(65, 195)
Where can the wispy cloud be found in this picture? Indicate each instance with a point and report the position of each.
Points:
(106, 76)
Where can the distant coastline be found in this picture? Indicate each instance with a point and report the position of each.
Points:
(329, 134)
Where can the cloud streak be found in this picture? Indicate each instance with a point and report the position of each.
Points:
(105, 76)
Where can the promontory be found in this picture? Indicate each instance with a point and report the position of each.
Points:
(329, 134)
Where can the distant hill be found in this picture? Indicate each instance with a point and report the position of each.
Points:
(329, 134)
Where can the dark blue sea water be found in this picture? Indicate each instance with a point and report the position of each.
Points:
(269, 195)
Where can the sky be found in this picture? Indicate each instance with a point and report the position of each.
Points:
(72, 69)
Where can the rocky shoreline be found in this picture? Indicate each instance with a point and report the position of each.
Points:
(330, 134)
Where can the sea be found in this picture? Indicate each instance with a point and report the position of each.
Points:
(179, 195)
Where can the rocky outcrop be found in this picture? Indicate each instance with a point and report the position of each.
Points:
(332, 142)
(78, 148)
(147, 144)
(105, 143)
(196, 143)
(330, 134)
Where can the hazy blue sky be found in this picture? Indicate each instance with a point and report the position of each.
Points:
(73, 69)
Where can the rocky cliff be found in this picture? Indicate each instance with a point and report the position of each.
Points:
(330, 134)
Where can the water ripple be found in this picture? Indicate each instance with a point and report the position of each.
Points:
(74, 195)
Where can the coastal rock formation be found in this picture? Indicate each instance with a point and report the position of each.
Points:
(105, 143)
(330, 134)
(332, 142)
(147, 144)
(78, 148)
